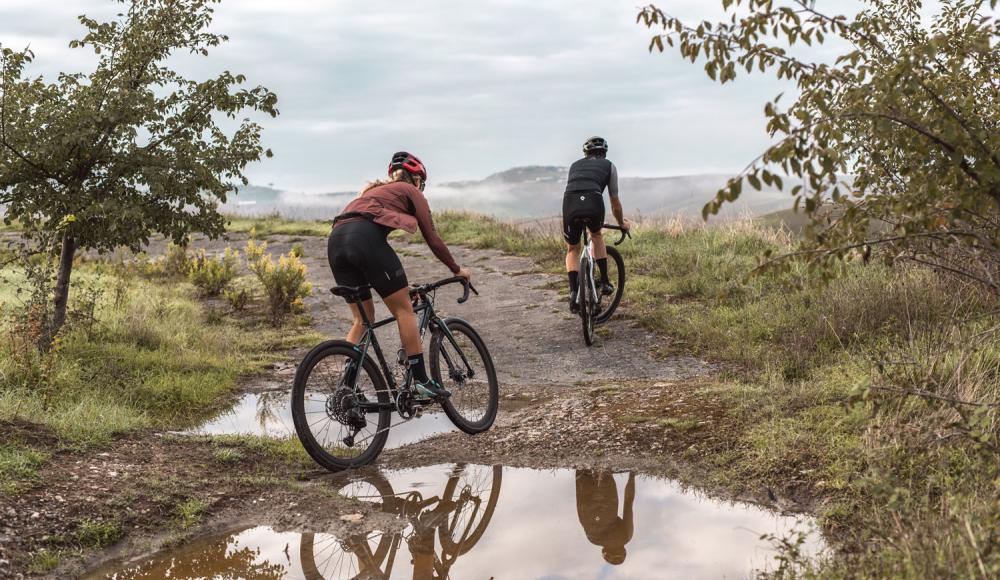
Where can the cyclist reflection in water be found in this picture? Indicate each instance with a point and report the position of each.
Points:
(597, 508)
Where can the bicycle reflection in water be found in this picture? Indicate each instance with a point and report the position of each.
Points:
(597, 508)
(456, 519)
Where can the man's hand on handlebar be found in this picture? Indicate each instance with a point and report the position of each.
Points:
(626, 225)
(464, 273)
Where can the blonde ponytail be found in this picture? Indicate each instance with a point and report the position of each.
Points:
(397, 175)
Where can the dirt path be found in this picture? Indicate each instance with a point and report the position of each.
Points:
(526, 323)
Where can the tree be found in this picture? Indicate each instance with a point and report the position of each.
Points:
(894, 145)
(132, 149)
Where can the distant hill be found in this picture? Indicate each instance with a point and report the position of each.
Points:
(537, 191)
(526, 192)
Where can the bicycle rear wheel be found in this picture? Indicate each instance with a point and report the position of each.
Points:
(587, 302)
(607, 305)
(323, 401)
(463, 365)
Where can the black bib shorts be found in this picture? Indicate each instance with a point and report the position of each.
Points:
(579, 210)
(360, 254)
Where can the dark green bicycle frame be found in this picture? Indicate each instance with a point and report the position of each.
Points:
(428, 318)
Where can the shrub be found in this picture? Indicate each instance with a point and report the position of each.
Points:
(237, 298)
(298, 250)
(284, 283)
(176, 261)
(213, 275)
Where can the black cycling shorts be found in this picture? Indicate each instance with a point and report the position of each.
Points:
(579, 210)
(360, 254)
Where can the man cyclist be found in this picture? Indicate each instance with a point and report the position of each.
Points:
(583, 206)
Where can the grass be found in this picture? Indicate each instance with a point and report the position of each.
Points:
(803, 359)
(678, 423)
(98, 533)
(190, 512)
(634, 419)
(19, 466)
(271, 225)
(44, 560)
(228, 455)
(287, 450)
(145, 354)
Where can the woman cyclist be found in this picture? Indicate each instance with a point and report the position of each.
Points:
(360, 254)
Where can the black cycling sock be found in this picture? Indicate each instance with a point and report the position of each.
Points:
(416, 362)
(574, 281)
(602, 265)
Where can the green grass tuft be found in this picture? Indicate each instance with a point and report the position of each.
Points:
(18, 466)
(98, 533)
(44, 560)
(190, 512)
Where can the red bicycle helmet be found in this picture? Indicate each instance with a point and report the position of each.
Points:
(409, 162)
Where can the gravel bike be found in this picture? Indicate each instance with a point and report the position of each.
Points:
(441, 528)
(594, 307)
(343, 403)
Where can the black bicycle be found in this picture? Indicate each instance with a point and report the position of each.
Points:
(594, 307)
(458, 517)
(342, 402)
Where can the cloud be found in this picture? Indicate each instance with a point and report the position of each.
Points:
(473, 87)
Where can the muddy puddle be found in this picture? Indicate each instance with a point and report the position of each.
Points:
(269, 414)
(470, 521)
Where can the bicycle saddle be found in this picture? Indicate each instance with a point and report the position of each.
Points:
(351, 293)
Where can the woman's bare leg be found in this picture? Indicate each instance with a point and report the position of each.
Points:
(399, 305)
(358, 328)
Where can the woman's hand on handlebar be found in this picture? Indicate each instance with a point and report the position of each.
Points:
(464, 273)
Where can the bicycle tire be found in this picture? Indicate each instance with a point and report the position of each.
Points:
(303, 428)
(308, 542)
(451, 405)
(587, 302)
(453, 548)
(604, 313)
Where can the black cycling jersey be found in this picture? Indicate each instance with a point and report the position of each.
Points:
(592, 175)
(360, 254)
(583, 202)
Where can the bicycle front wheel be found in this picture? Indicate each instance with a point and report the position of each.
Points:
(341, 426)
(607, 305)
(461, 362)
(475, 491)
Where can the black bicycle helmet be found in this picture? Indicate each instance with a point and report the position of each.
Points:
(595, 144)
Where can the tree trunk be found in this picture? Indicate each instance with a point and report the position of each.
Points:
(61, 298)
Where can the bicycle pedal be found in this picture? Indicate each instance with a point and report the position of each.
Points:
(418, 412)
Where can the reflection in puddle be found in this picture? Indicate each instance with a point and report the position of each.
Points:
(269, 414)
(470, 521)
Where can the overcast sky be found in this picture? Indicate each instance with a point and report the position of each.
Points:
(472, 87)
